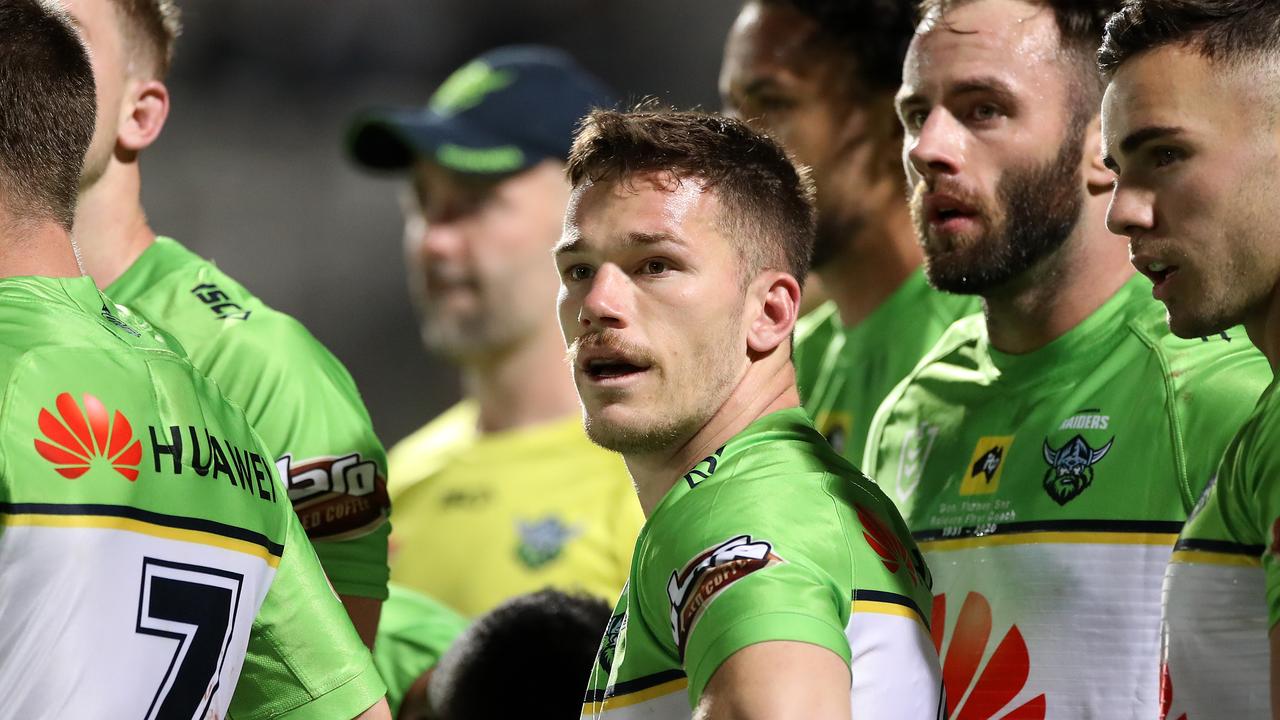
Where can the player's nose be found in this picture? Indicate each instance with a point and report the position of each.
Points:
(607, 300)
(1132, 210)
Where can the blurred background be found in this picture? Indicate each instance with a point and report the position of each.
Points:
(251, 170)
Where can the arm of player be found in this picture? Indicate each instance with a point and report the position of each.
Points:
(380, 711)
(364, 613)
(778, 680)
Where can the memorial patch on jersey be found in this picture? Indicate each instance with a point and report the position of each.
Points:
(336, 497)
(983, 474)
(694, 586)
(1071, 467)
(73, 441)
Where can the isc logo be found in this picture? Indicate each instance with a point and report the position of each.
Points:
(77, 436)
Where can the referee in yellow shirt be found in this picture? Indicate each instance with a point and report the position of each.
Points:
(502, 494)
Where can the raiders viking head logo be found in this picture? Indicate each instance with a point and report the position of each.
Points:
(1071, 468)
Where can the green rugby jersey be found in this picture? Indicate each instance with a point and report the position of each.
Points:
(844, 372)
(414, 632)
(298, 396)
(774, 537)
(1222, 590)
(1046, 491)
(150, 563)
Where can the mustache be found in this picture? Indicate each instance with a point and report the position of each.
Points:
(607, 340)
(951, 188)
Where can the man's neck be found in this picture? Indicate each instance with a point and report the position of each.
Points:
(35, 247)
(111, 228)
(526, 384)
(768, 386)
(1263, 327)
(1053, 297)
(874, 265)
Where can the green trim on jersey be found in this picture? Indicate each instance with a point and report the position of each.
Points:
(770, 538)
(1046, 490)
(845, 372)
(413, 634)
(126, 480)
(298, 396)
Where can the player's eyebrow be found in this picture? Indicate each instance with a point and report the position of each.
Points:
(579, 244)
(1136, 139)
(968, 86)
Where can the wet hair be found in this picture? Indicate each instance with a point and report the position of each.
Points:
(766, 200)
(151, 27)
(871, 35)
(1080, 28)
(1225, 31)
(47, 111)
(542, 646)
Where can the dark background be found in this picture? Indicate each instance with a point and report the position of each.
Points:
(250, 169)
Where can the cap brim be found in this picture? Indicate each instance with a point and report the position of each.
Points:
(395, 139)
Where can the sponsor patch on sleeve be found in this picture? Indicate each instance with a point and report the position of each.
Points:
(336, 498)
(703, 578)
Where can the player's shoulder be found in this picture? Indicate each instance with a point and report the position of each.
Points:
(1226, 365)
(961, 345)
(430, 447)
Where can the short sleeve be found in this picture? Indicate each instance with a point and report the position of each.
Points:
(306, 407)
(304, 660)
(1249, 494)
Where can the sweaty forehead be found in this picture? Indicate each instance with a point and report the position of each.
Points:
(611, 212)
(982, 38)
(1177, 87)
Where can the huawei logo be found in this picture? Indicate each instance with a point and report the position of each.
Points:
(892, 551)
(77, 436)
(990, 693)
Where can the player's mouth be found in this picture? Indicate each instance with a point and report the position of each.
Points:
(1159, 272)
(610, 367)
(947, 214)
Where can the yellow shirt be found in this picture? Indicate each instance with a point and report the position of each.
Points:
(482, 518)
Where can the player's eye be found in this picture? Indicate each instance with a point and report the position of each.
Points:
(655, 267)
(1165, 156)
(579, 272)
(914, 119)
(983, 112)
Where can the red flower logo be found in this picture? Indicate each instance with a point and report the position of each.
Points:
(886, 543)
(1166, 694)
(1004, 676)
(82, 435)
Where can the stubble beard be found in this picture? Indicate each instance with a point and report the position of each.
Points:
(707, 384)
(1038, 209)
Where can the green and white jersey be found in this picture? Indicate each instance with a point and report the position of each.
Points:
(298, 397)
(1046, 491)
(774, 537)
(150, 563)
(844, 372)
(1222, 590)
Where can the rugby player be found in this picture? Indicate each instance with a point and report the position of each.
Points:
(151, 563)
(413, 634)
(1191, 127)
(298, 396)
(1046, 453)
(503, 494)
(820, 76)
(771, 579)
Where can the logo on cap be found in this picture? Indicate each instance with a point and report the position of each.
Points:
(77, 436)
(468, 86)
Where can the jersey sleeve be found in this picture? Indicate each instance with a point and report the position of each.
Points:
(1213, 396)
(304, 660)
(307, 409)
(1248, 494)
(744, 578)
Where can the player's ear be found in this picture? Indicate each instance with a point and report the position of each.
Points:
(777, 308)
(144, 115)
(1097, 176)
